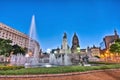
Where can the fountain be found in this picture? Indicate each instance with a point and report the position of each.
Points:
(18, 60)
(35, 60)
(31, 59)
(52, 59)
(67, 60)
(33, 49)
(60, 59)
(32, 37)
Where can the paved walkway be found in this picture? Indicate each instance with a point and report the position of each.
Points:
(113, 74)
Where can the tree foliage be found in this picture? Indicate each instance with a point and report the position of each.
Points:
(5, 47)
(17, 49)
(115, 48)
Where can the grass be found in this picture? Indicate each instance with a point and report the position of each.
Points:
(56, 70)
(104, 63)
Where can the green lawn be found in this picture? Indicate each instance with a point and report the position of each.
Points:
(55, 70)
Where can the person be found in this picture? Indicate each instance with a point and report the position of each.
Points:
(81, 61)
(87, 57)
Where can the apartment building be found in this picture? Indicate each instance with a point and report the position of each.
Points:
(17, 37)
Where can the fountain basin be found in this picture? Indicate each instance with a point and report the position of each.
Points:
(28, 65)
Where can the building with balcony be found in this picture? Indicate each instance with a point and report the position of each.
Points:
(16, 37)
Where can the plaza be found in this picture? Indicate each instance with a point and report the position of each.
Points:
(59, 40)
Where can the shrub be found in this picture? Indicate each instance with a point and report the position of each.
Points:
(97, 56)
(10, 67)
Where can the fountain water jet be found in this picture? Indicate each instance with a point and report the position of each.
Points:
(32, 37)
(32, 57)
(33, 49)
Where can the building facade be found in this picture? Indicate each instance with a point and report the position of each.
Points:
(108, 40)
(15, 36)
(95, 51)
(75, 44)
(65, 46)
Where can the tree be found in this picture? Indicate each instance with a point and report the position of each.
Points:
(17, 49)
(5, 47)
(117, 41)
(115, 48)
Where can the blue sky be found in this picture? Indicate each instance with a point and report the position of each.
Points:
(90, 19)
